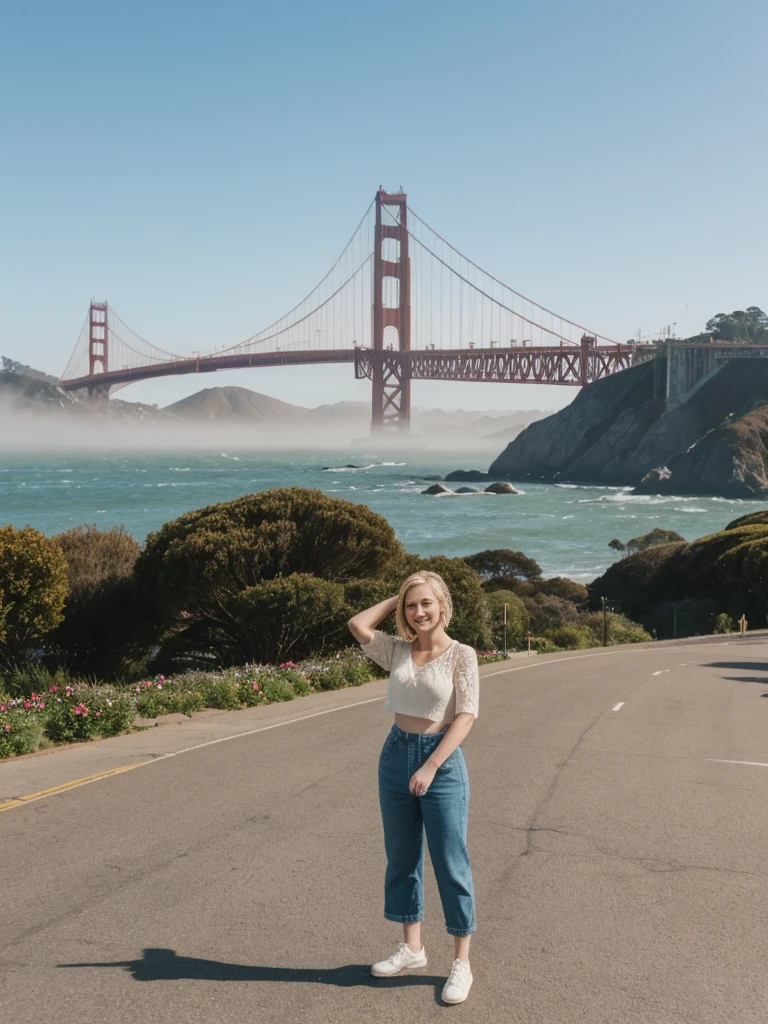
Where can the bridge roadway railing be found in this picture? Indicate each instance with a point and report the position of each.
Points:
(574, 366)
(207, 364)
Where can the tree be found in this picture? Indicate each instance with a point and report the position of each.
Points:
(561, 586)
(617, 545)
(33, 588)
(740, 325)
(652, 539)
(194, 573)
(548, 612)
(503, 567)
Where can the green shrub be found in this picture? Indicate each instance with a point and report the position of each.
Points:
(288, 616)
(543, 645)
(518, 619)
(547, 612)
(32, 677)
(621, 630)
(573, 637)
(20, 733)
(723, 623)
(33, 588)
(204, 577)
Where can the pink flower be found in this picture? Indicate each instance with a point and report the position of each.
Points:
(137, 689)
(161, 679)
(7, 728)
(255, 687)
(41, 705)
(3, 707)
(159, 686)
(27, 704)
(34, 696)
(98, 714)
(54, 689)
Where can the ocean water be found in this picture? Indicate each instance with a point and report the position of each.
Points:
(565, 527)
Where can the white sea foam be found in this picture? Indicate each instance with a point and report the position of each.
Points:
(358, 469)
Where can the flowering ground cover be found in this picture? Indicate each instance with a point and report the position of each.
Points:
(62, 711)
(72, 711)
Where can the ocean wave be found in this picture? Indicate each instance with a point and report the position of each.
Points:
(626, 497)
(224, 455)
(568, 486)
(357, 469)
(179, 469)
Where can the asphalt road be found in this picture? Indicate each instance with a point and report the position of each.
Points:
(619, 855)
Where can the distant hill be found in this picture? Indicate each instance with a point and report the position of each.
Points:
(23, 388)
(233, 404)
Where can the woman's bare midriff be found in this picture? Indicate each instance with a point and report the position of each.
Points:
(409, 723)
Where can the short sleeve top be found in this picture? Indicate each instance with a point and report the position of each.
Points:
(443, 688)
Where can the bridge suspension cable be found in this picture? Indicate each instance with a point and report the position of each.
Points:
(461, 305)
(314, 315)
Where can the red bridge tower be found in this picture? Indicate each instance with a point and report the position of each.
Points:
(391, 322)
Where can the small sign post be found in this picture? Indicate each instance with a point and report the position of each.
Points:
(528, 638)
(505, 630)
(743, 625)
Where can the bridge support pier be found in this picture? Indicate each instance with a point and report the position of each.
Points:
(391, 396)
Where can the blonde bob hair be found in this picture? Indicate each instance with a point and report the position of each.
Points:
(439, 589)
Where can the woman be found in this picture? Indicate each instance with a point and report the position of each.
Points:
(423, 785)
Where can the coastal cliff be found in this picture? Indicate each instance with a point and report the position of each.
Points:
(616, 431)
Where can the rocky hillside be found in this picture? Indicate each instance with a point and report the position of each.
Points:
(616, 431)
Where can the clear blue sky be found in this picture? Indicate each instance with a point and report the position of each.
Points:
(200, 165)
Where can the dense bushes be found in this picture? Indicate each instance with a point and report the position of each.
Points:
(33, 588)
(99, 633)
(276, 575)
(202, 579)
(684, 589)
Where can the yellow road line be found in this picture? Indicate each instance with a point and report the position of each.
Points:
(21, 800)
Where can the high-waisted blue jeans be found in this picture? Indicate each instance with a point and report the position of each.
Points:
(442, 813)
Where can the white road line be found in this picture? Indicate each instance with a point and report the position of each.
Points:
(757, 764)
(621, 705)
(660, 672)
(264, 728)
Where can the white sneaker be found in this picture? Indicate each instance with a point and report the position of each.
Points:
(404, 959)
(456, 988)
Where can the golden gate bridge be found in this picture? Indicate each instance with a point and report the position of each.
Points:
(401, 304)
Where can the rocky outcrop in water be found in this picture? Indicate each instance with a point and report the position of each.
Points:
(501, 488)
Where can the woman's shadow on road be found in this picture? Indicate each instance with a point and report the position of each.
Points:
(166, 965)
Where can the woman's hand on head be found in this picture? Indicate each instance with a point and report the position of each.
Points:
(362, 625)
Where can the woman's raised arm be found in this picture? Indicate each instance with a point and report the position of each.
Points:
(362, 625)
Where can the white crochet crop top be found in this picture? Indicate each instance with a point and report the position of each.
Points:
(439, 690)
